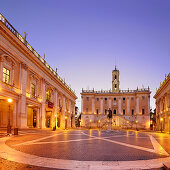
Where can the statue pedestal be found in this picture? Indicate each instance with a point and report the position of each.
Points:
(110, 125)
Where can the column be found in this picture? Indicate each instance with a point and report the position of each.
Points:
(23, 96)
(73, 124)
(101, 106)
(70, 114)
(119, 106)
(110, 103)
(82, 104)
(166, 116)
(128, 108)
(1, 68)
(42, 108)
(149, 105)
(137, 105)
(14, 114)
(55, 109)
(38, 118)
(93, 105)
(63, 114)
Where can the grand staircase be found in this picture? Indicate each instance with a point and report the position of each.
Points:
(118, 122)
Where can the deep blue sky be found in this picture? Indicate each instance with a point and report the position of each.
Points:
(84, 39)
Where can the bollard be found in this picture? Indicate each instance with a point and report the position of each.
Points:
(15, 131)
(8, 129)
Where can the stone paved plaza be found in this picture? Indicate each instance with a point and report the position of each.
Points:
(85, 149)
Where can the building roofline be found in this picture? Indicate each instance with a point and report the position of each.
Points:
(31, 49)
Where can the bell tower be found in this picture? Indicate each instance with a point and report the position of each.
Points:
(115, 80)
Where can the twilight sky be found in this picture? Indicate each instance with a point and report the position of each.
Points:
(84, 39)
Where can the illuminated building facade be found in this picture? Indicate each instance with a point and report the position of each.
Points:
(130, 108)
(40, 98)
(162, 97)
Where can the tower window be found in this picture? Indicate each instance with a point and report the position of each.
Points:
(132, 112)
(132, 98)
(123, 111)
(114, 98)
(87, 110)
(115, 77)
(6, 74)
(143, 111)
(115, 86)
(97, 99)
(87, 98)
(97, 111)
(105, 99)
(123, 98)
(143, 97)
(114, 112)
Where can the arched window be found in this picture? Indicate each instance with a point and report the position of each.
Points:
(114, 112)
(115, 77)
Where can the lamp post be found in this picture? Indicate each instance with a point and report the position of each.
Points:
(90, 123)
(9, 126)
(161, 123)
(136, 125)
(65, 122)
(99, 124)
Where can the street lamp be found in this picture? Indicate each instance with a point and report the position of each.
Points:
(161, 123)
(66, 122)
(99, 124)
(136, 124)
(9, 126)
(90, 123)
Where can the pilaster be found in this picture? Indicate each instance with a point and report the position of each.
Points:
(101, 106)
(137, 105)
(23, 96)
(119, 106)
(128, 108)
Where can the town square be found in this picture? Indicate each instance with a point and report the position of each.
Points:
(85, 85)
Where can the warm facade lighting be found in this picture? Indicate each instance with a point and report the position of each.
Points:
(161, 119)
(9, 100)
(65, 117)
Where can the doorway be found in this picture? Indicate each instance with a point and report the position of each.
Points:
(48, 119)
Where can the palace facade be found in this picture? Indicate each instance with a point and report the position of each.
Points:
(130, 108)
(32, 94)
(162, 97)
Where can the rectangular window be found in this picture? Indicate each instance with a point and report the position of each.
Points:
(87, 110)
(132, 112)
(132, 98)
(6, 75)
(143, 97)
(123, 111)
(87, 98)
(48, 95)
(114, 98)
(114, 112)
(123, 98)
(32, 90)
(97, 111)
(97, 99)
(143, 111)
